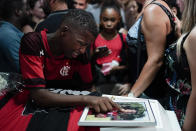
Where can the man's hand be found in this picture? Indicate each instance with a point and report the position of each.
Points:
(101, 104)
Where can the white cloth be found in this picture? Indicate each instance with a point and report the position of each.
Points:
(106, 67)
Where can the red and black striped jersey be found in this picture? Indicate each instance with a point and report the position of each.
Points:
(41, 69)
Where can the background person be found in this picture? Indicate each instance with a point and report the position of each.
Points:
(56, 10)
(80, 4)
(175, 8)
(132, 11)
(112, 66)
(181, 73)
(12, 13)
(154, 31)
(95, 10)
(37, 14)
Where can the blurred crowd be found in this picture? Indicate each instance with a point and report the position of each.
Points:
(36, 11)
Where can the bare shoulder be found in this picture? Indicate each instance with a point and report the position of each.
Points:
(190, 42)
(192, 35)
(151, 13)
(153, 22)
(27, 29)
(154, 15)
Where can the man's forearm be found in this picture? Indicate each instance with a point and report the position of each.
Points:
(46, 98)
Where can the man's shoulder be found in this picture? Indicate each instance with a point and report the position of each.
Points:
(31, 43)
(6, 30)
(8, 35)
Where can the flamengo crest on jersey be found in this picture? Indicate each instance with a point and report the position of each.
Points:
(64, 71)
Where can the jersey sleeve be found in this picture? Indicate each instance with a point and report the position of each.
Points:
(31, 57)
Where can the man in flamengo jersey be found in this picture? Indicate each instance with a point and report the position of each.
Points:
(49, 67)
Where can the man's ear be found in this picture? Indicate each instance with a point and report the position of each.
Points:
(63, 30)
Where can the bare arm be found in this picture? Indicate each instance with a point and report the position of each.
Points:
(190, 49)
(45, 98)
(155, 29)
(27, 29)
(117, 68)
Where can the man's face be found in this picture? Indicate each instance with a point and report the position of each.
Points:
(74, 43)
(80, 4)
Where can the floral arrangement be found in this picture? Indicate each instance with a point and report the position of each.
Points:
(3, 83)
(9, 82)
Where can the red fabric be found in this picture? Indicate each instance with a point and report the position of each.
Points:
(73, 122)
(50, 68)
(30, 66)
(36, 68)
(11, 118)
(115, 45)
(1, 97)
(54, 65)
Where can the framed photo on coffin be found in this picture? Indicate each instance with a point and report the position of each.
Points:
(137, 113)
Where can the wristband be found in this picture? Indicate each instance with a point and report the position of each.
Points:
(131, 95)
